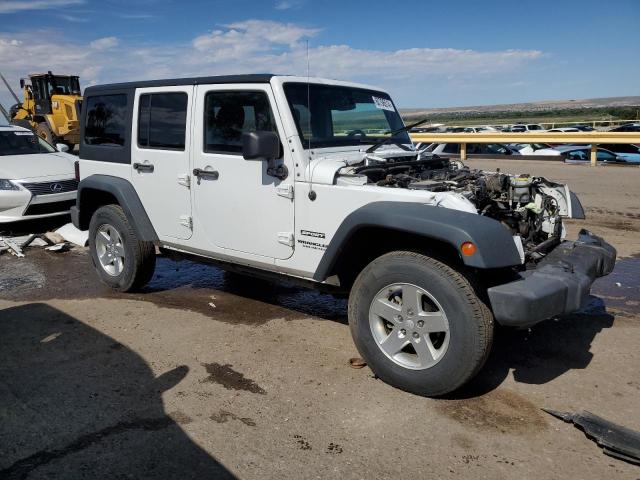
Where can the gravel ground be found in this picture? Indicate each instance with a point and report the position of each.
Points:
(212, 375)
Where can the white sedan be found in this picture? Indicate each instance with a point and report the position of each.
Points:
(36, 180)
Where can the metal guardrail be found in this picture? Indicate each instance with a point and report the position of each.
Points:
(593, 138)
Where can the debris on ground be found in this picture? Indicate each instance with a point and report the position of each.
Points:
(59, 241)
(53, 237)
(357, 362)
(71, 234)
(12, 246)
(34, 240)
(616, 441)
(59, 248)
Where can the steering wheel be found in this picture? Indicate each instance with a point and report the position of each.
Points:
(353, 133)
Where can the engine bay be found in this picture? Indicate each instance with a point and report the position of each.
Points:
(531, 208)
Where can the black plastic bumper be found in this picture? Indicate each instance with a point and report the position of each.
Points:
(560, 283)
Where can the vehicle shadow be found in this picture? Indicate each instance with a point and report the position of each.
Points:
(542, 353)
(41, 225)
(77, 404)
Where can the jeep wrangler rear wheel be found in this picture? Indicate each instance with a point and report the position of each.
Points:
(122, 261)
(419, 324)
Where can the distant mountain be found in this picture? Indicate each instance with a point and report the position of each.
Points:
(542, 106)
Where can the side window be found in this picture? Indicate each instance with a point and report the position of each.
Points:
(451, 148)
(227, 115)
(106, 122)
(495, 148)
(162, 120)
(606, 156)
(578, 155)
(431, 147)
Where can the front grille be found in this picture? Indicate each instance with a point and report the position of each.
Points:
(48, 188)
(52, 207)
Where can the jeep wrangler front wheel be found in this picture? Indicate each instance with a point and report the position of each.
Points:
(122, 261)
(419, 324)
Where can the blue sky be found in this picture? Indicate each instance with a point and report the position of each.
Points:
(427, 54)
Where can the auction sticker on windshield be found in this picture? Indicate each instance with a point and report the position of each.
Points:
(383, 104)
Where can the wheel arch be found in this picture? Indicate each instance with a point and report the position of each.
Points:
(96, 191)
(380, 227)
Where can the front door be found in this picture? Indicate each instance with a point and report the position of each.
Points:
(160, 149)
(41, 95)
(237, 205)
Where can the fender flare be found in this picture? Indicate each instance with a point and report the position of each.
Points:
(126, 195)
(496, 247)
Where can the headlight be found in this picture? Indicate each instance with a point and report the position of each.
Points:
(7, 185)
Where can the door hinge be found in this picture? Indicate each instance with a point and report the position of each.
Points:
(186, 221)
(285, 191)
(285, 238)
(184, 180)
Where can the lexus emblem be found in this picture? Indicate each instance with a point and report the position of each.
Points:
(55, 187)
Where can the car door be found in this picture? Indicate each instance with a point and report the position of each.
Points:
(160, 157)
(237, 205)
(605, 156)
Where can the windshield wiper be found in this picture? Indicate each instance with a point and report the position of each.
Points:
(377, 145)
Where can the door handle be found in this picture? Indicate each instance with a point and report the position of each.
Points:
(143, 167)
(208, 174)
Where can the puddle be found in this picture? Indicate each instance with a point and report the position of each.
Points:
(620, 290)
(230, 379)
(20, 275)
(184, 285)
(499, 410)
(237, 299)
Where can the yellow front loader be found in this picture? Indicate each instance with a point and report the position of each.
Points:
(51, 107)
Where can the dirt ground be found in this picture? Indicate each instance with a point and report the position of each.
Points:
(212, 375)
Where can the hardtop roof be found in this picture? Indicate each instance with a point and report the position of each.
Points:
(170, 82)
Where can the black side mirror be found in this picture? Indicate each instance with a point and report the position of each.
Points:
(264, 146)
(260, 145)
(22, 83)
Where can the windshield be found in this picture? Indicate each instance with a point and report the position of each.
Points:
(343, 116)
(14, 142)
(62, 85)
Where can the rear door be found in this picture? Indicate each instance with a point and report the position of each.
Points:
(160, 149)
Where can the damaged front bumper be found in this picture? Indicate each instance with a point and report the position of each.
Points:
(559, 284)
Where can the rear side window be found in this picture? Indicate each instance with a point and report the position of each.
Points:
(230, 114)
(162, 120)
(106, 120)
(578, 155)
(451, 148)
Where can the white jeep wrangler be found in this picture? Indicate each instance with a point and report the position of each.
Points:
(317, 180)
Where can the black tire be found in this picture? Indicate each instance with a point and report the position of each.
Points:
(139, 256)
(470, 323)
(44, 132)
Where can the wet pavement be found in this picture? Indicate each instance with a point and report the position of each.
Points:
(620, 290)
(266, 364)
(177, 284)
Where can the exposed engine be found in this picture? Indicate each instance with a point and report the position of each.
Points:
(529, 207)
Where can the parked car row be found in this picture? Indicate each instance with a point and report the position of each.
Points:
(520, 128)
(617, 153)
